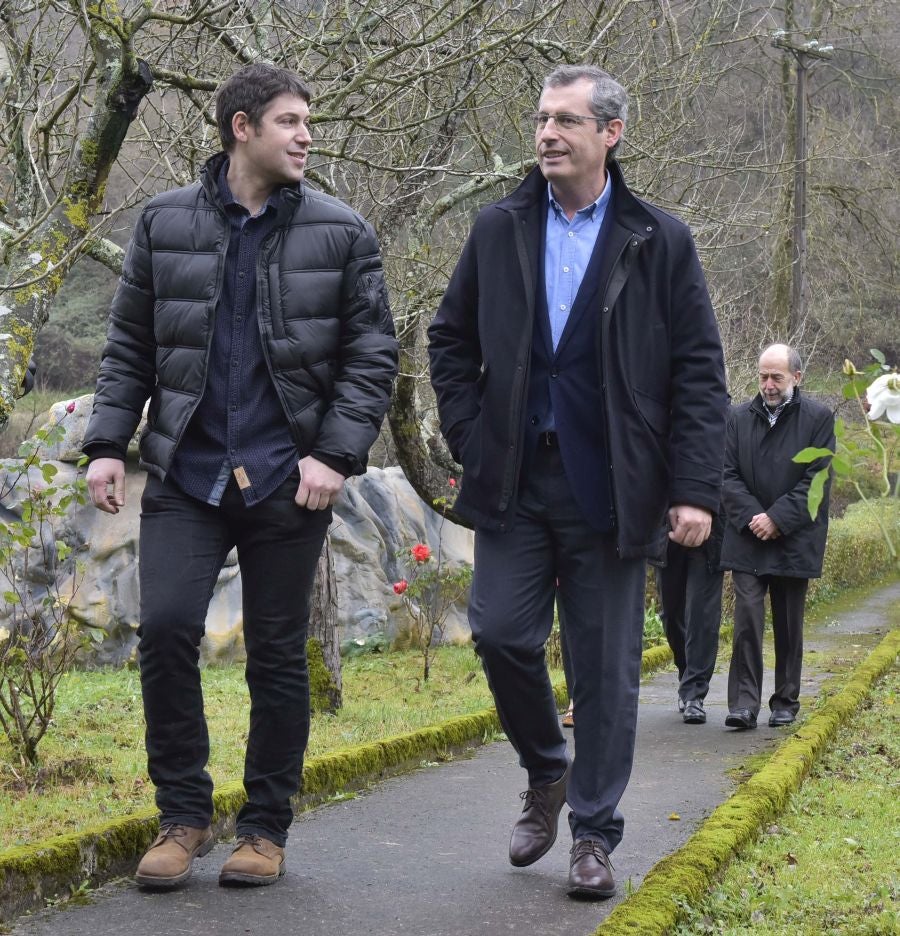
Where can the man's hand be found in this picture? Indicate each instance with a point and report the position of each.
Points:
(319, 484)
(762, 527)
(690, 525)
(101, 473)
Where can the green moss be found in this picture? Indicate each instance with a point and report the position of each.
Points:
(324, 695)
(655, 658)
(683, 878)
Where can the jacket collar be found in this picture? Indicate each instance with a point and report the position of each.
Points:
(209, 179)
(628, 210)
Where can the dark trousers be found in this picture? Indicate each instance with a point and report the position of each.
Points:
(691, 601)
(745, 677)
(511, 615)
(183, 545)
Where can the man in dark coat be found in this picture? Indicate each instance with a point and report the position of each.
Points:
(771, 542)
(580, 383)
(690, 596)
(252, 313)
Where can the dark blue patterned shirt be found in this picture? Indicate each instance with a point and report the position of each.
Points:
(239, 427)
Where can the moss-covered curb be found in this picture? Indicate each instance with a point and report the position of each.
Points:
(685, 876)
(32, 874)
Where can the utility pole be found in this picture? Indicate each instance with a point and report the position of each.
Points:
(804, 53)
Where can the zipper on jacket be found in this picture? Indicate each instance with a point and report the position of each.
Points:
(264, 329)
(606, 313)
(523, 364)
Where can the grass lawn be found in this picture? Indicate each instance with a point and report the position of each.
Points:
(92, 759)
(831, 863)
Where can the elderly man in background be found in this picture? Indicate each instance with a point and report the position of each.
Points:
(771, 542)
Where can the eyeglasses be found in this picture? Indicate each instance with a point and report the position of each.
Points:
(563, 121)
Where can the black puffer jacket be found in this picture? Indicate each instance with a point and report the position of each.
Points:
(760, 477)
(324, 318)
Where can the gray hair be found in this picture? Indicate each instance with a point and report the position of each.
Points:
(608, 99)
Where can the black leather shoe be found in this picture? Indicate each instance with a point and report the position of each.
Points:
(740, 718)
(535, 832)
(590, 871)
(781, 717)
(693, 712)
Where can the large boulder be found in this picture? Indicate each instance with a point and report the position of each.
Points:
(377, 516)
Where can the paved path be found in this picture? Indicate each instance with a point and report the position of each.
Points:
(425, 854)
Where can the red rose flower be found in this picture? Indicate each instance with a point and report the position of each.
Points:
(420, 552)
(400, 587)
(70, 407)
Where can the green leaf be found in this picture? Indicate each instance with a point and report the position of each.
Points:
(877, 355)
(854, 388)
(840, 427)
(49, 471)
(816, 493)
(807, 455)
(841, 465)
(10, 597)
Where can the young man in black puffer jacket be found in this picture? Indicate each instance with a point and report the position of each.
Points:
(252, 313)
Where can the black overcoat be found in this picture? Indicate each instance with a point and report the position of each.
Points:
(760, 477)
(659, 361)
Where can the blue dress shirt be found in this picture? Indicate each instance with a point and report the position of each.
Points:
(568, 246)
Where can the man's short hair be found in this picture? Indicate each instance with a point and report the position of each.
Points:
(250, 89)
(608, 99)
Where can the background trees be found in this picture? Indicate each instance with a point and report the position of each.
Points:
(419, 118)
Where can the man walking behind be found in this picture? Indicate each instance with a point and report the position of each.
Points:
(690, 593)
(579, 378)
(252, 313)
(771, 543)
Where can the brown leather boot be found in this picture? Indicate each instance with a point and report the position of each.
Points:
(168, 861)
(254, 861)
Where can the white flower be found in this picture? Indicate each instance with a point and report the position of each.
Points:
(884, 397)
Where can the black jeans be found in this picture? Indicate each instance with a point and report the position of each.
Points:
(183, 545)
(553, 553)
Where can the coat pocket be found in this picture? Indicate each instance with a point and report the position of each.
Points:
(654, 412)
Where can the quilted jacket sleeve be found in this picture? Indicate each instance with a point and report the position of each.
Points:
(127, 368)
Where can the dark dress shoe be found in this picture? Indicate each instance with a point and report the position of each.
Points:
(693, 712)
(781, 717)
(740, 718)
(590, 871)
(535, 832)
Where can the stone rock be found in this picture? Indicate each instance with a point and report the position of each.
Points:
(75, 424)
(376, 516)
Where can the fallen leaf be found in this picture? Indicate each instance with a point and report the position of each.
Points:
(790, 858)
(674, 816)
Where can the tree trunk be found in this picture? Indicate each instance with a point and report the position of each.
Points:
(39, 263)
(323, 646)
